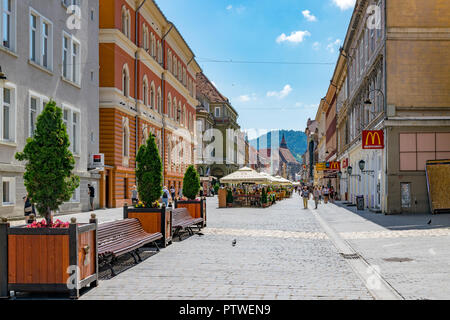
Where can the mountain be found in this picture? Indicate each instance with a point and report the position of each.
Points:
(296, 141)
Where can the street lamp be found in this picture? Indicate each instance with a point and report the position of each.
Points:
(368, 103)
(362, 165)
(349, 170)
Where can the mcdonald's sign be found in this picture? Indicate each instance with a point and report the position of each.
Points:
(373, 139)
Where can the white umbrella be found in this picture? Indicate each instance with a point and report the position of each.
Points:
(245, 175)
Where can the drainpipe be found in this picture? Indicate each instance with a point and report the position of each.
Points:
(163, 97)
(386, 185)
(136, 27)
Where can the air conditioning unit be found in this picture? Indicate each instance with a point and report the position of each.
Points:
(96, 161)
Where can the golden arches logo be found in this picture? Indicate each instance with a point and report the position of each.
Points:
(373, 135)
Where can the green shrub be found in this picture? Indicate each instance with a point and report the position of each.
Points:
(149, 172)
(230, 199)
(191, 183)
(48, 175)
(264, 196)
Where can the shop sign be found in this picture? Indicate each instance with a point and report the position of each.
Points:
(373, 139)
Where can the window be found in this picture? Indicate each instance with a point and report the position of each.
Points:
(71, 118)
(169, 105)
(217, 111)
(417, 148)
(145, 37)
(125, 188)
(126, 140)
(158, 98)
(8, 23)
(169, 60)
(175, 68)
(126, 22)
(71, 63)
(145, 91)
(153, 45)
(37, 103)
(76, 196)
(125, 81)
(152, 96)
(7, 114)
(41, 40)
(8, 191)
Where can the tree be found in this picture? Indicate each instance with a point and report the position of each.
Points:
(191, 183)
(149, 172)
(48, 175)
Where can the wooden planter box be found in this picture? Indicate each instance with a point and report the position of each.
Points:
(48, 260)
(196, 208)
(153, 221)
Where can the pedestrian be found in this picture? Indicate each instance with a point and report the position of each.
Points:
(326, 194)
(316, 195)
(332, 193)
(28, 208)
(165, 196)
(180, 193)
(134, 195)
(91, 192)
(305, 196)
(172, 192)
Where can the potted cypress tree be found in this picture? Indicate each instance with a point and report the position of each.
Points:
(153, 216)
(66, 253)
(191, 187)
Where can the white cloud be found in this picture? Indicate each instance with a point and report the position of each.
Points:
(344, 4)
(316, 45)
(310, 17)
(295, 37)
(247, 97)
(240, 9)
(334, 45)
(281, 94)
(229, 7)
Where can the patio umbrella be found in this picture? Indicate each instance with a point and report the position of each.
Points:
(245, 175)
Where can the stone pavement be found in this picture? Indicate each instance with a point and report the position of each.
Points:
(412, 255)
(281, 253)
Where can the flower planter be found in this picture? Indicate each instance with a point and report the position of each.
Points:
(48, 260)
(196, 208)
(153, 220)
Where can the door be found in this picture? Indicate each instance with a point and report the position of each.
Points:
(107, 189)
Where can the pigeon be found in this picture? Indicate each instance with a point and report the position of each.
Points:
(200, 234)
(429, 222)
(234, 243)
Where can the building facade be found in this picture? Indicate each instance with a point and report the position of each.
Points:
(46, 53)
(396, 81)
(147, 87)
(224, 143)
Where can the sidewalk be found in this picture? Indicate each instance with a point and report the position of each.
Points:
(412, 255)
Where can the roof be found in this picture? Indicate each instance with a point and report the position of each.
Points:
(287, 156)
(205, 87)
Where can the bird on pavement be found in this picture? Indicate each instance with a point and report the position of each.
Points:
(429, 222)
(200, 234)
(234, 243)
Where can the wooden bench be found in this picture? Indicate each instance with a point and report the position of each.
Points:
(121, 237)
(182, 220)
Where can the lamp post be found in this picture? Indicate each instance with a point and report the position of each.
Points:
(368, 103)
(2, 75)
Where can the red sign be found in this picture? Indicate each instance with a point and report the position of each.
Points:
(345, 163)
(373, 139)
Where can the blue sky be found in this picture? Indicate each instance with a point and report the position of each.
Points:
(266, 95)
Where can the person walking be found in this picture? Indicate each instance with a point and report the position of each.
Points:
(332, 194)
(165, 196)
(172, 193)
(28, 208)
(134, 195)
(326, 194)
(316, 195)
(91, 192)
(305, 196)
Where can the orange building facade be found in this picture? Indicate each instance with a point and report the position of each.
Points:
(147, 87)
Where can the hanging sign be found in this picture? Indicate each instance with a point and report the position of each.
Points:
(373, 139)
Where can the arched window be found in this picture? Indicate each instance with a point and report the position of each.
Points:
(175, 68)
(158, 100)
(152, 96)
(125, 81)
(145, 91)
(126, 22)
(184, 118)
(180, 113)
(153, 46)
(169, 60)
(144, 134)
(169, 105)
(174, 113)
(159, 52)
(126, 138)
(145, 37)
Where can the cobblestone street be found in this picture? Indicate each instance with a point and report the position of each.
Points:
(281, 253)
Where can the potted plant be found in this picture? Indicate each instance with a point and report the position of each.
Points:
(191, 188)
(153, 217)
(230, 198)
(66, 253)
(264, 198)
